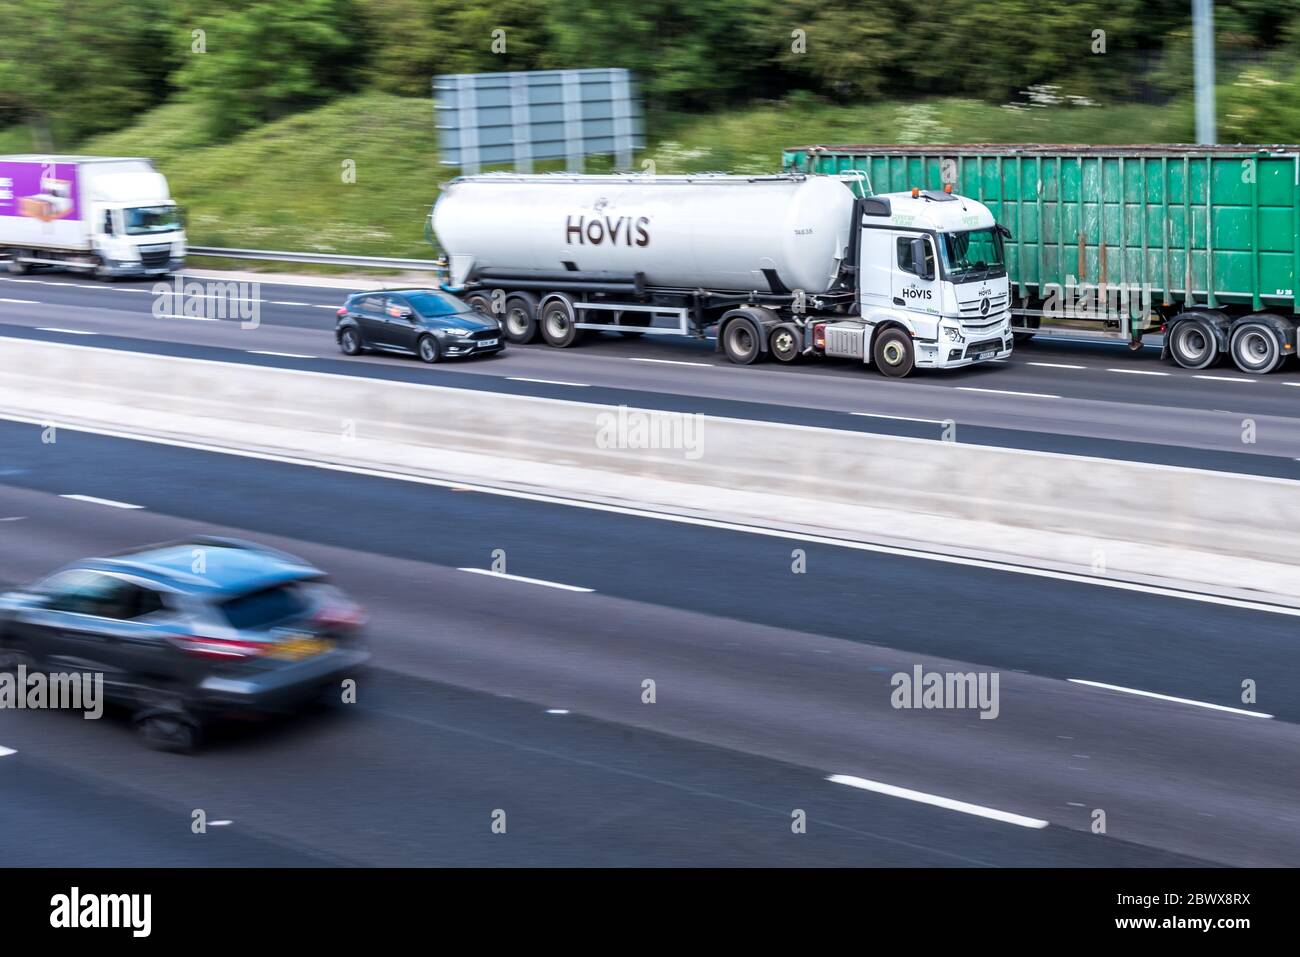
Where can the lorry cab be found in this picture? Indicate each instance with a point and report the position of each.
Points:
(932, 267)
(137, 226)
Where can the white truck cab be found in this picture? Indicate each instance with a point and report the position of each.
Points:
(931, 265)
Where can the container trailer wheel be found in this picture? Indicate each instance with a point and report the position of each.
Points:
(520, 321)
(892, 353)
(559, 325)
(1193, 343)
(1257, 347)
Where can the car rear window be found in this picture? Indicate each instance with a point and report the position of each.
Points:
(265, 607)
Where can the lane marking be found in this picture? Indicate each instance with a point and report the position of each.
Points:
(935, 800)
(5, 752)
(172, 315)
(281, 355)
(896, 550)
(280, 302)
(317, 305)
(220, 823)
(557, 710)
(526, 581)
(100, 501)
(900, 418)
(1030, 395)
(576, 385)
(1165, 697)
(66, 332)
(1055, 365)
(1223, 378)
(23, 302)
(1136, 372)
(672, 362)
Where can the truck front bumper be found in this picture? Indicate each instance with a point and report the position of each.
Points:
(134, 267)
(950, 354)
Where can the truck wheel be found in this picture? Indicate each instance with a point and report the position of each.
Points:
(1256, 348)
(17, 268)
(559, 327)
(741, 342)
(1033, 322)
(480, 301)
(1193, 344)
(520, 321)
(892, 353)
(784, 343)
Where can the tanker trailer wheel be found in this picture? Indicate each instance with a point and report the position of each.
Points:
(742, 342)
(892, 353)
(520, 321)
(1193, 343)
(559, 325)
(1256, 347)
(785, 343)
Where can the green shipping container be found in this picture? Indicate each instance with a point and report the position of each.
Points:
(1216, 227)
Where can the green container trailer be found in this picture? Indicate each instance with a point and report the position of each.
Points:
(1200, 243)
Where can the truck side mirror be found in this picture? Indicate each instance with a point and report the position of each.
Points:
(919, 263)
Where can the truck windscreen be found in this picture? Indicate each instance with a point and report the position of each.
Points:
(151, 219)
(975, 254)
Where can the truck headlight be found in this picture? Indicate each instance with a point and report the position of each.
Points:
(953, 334)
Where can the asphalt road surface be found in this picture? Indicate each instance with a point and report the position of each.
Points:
(772, 693)
(1092, 399)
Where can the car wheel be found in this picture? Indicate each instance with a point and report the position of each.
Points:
(892, 353)
(173, 731)
(350, 342)
(428, 349)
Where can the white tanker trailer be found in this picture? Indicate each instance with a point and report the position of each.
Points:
(785, 265)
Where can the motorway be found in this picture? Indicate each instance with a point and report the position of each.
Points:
(772, 694)
(1096, 399)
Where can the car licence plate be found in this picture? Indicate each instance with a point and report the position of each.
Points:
(301, 647)
(487, 343)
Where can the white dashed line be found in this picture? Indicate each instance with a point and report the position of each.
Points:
(557, 710)
(278, 302)
(1054, 365)
(1136, 372)
(526, 581)
(316, 305)
(1028, 395)
(282, 355)
(172, 315)
(576, 385)
(5, 752)
(1223, 378)
(672, 362)
(66, 332)
(934, 800)
(100, 501)
(220, 823)
(900, 418)
(22, 302)
(1165, 697)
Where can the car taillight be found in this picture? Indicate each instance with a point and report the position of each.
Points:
(337, 614)
(224, 649)
(819, 336)
(343, 311)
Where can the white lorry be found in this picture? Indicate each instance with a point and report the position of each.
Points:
(781, 266)
(111, 216)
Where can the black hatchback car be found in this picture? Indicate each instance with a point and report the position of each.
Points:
(428, 323)
(186, 631)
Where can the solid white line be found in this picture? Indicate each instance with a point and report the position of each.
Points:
(921, 797)
(66, 332)
(23, 302)
(1055, 365)
(100, 501)
(280, 302)
(1165, 697)
(1291, 383)
(1223, 378)
(317, 305)
(172, 315)
(576, 385)
(673, 362)
(900, 418)
(521, 578)
(5, 752)
(1136, 372)
(776, 533)
(1031, 395)
(282, 355)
